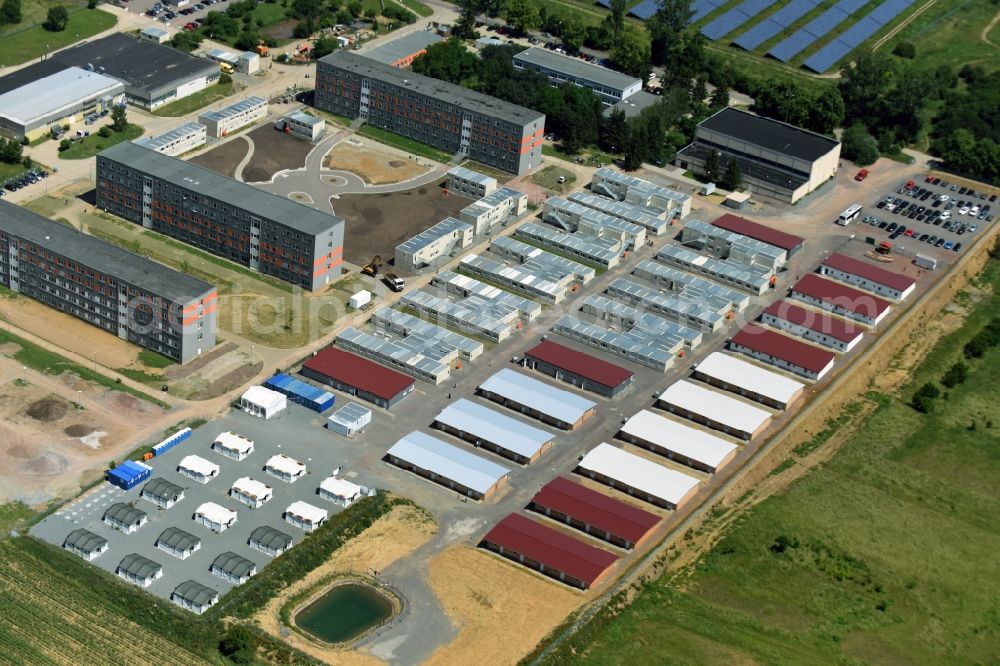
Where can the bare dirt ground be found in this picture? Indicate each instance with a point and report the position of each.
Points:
(225, 158)
(377, 223)
(486, 598)
(394, 535)
(274, 151)
(374, 166)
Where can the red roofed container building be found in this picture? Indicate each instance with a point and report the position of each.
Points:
(549, 551)
(783, 352)
(577, 368)
(358, 376)
(872, 278)
(595, 513)
(814, 326)
(841, 300)
(740, 225)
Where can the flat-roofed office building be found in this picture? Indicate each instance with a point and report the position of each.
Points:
(610, 86)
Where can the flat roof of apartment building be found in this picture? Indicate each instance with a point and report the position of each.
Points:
(232, 192)
(403, 47)
(448, 93)
(576, 68)
(100, 255)
(770, 134)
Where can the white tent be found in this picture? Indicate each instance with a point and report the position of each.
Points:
(339, 491)
(285, 468)
(198, 469)
(250, 492)
(263, 402)
(232, 445)
(305, 515)
(214, 517)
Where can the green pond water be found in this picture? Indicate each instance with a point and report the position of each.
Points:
(344, 612)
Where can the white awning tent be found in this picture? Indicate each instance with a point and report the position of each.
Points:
(339, 491)
(215, 517)
(284, 467)
(305, 515)
(197, 468)
(250, 491)
(263, 402)
(233, 446)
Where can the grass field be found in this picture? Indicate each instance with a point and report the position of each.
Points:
(34, 42)
(91, 145)
(9, 171)
(404, 143)
(951, 33)
(417, 7)
(192, 103)
(549, 179)
(884, 555)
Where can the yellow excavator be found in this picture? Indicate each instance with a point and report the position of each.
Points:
(373, 267)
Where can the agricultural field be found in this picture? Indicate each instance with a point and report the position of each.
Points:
(884, 554)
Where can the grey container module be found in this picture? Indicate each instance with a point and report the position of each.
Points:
(349, 419)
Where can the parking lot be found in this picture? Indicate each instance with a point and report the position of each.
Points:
(26, 179)
(176, 17)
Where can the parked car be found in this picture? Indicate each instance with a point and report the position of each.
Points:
(939, 242)
(957, 247)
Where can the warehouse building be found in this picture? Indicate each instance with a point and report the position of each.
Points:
(137, 299)
(493, 431)
(577, 368)
(813, 326)
(178, 543)
(264, 232)
(228, 119)
(749, 380)
(223, 56)
(610, 86)
(86, 544)
(871, 278)
(124, 518)
(29, 111)
(638, 477)
(714, 410)
(284, 467)
(358, 376)
(776, 159)
(841, 300)
(448, 465)
(341, 492)
(177, 141)
(263, 402)
(594, 513)
(233, 446)
(215, 517)
(305, 516)
(537, 399)
(469, 183)
(302, 125)
(636, 191)
(232, 567)
(671, 439)
(197, 469)
(403, 51)
(269, 541)
(451, 118)
(349, 419)
(251, 492)
(439, 241)
(138, 570)
(162, 493)
(784, 352)
(194, 596)
(549, 551)
(494, 210)
(790, 243)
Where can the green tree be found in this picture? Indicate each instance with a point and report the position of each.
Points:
(10, 12)
(224, 79)
(712, 166)
(668, 31)
(449, 61)
(56, 19)
(617, 18)
(720, 96)
(634, 148)
(11, 151)
(923, 399)
(858, 145)
(631, 52)
(64, 145)
(238, 645)
(105, 132)
(119, 118)
(324, 46)
(91, 4)
(356, 8)
(826, 111)
(955, 375)
(522, 15)
(187, 40)
(572, 33)
(614, 131)
(465, 28)
(905, 50)
(732, 177)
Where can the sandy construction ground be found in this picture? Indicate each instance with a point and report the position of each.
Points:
(485, 597)
(398, 533)
(373, 166)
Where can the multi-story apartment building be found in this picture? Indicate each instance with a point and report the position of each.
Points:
(265, 232)
(130, 296)
(440, 114)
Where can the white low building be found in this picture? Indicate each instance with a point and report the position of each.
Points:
(250, 492)
(714, 410)
(349, 419)
(177, 141)
(360, 299)
(197, 469)
(671, 439)
(305, 516)
(233, 446)
(339, 491)
(215, 517)
(749, 380)
(285, 468)
(226, 120)
(263, 402)
(637, 476)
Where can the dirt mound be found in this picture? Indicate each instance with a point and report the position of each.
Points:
(20, 451)
(46, 464)
(397, 164)
(78, 430)
(47, 410)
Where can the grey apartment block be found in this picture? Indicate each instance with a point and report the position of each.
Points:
(265, 232)
(127, 295)
(449, 117)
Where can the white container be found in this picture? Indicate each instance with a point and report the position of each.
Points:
(360, 299)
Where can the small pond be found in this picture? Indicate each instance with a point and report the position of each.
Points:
(344, 612)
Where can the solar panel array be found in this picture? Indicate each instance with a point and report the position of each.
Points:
(604, 3)
(702, 8)
(774, 24)
(853, 37)
(645, 9)
(819, 27)
(734, 18)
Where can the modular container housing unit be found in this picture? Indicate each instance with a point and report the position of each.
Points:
(124, 518)
(609, 86)
(162, 493)
(748, 380)
(302, 393)
(577, 368)
(178, 543)
(638, 192)
(194, 596)
(349, 419)
(467, 182)
(527, 395)
(339, 491)
(812, 325)
(493, 431)
(784, 352)
(432, 244)
(284, 467)
(594, 513)
(197, 469)
(305, 516)
(129, 474)
(251, 492)
(790, 243)
(649, 219)
(494, 209)
(228, 119)
(671, 439)
(139, 570)
(713, 409)
(86, 544)
(132, 297)
(638, 477)
(871, 278)
(749, 277)
(448, 465)
(684, 308)
(549, 551)
(269, 541)
(605, 251)
(358, 376)
(232, 567)
(302, 125)
(841, 300)
(264, 232)
(575, 217)
(263, 402)
(449, 117)
(215, 517)
(177, 141)
(546, 285)
(733, 246)
(232, 446)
